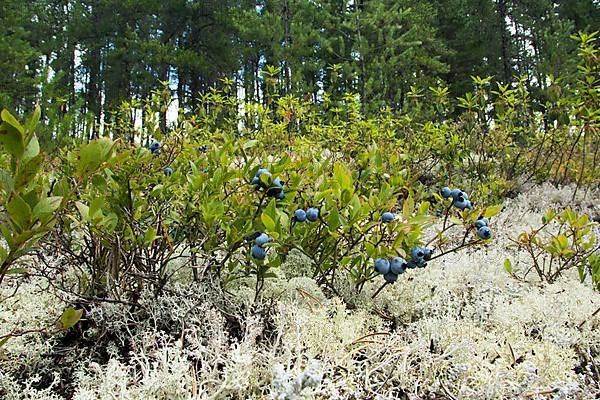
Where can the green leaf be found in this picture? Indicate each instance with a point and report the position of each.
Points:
(563, 242)
(249, 144)
(156, 189)
(7, 235)
(267, 221)
(423, 208)
(508, 266)
(334, 219)
(14, 271)
(550, 214)
(3, 254)
(150, 235)
(7, 182)
(46, 206)
(96, 207)
(84, 210)
(92, 155)
(29, 170)
(32, 149)
(342, 176)
(19, 211)
(9, 119)
(32, 122)
(489, 212)
(407, 208)
(12, 138)
(69, 318)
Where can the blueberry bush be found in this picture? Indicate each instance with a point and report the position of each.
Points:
(225, 195)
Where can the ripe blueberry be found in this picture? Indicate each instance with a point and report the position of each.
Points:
(262, 239)
(398, 265)
(484, 233)
(312, 214)
(417, 253)
(382, 266)
(390, 277)
(154, 146)
(258, 252)
(300, 215)
(427, 253)
(460, 203)
(481, 222)
(387, 217)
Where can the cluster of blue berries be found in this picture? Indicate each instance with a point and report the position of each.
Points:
(390, 269)
(154, 147)
(312, 214)
(276, 190)
(460, 199)
(258, 250)
(483, 230)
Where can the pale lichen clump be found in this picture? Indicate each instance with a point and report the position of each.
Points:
(460, 328)
(30, 307)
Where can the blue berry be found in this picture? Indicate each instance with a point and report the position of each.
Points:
(154, 146)
(460, 203)
(258, 252)
(411, 264)
(446, 192)
(427, 253)
(168, 171)
(300, 215)
(382, 266)
(417, 253)
(455, 193)
(398, 265)
(481, 222)
(387, 217)
(312, 214)
(390, 277)
(484, 233)
(262, 171)
(277, 182)
(262, 239)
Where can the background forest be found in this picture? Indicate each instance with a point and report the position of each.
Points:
(83, 58)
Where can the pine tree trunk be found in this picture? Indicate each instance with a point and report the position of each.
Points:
(504, 44)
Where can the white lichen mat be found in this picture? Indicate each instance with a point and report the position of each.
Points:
(461, 328)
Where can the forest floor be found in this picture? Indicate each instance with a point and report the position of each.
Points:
(461, 328)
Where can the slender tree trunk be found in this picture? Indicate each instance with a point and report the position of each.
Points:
(93, 99)
(504, 44)
(164, 77)
(286, 45)
(363, 91)
(194, 89)
(181, 79)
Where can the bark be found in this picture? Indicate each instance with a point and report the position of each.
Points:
(504, 41)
